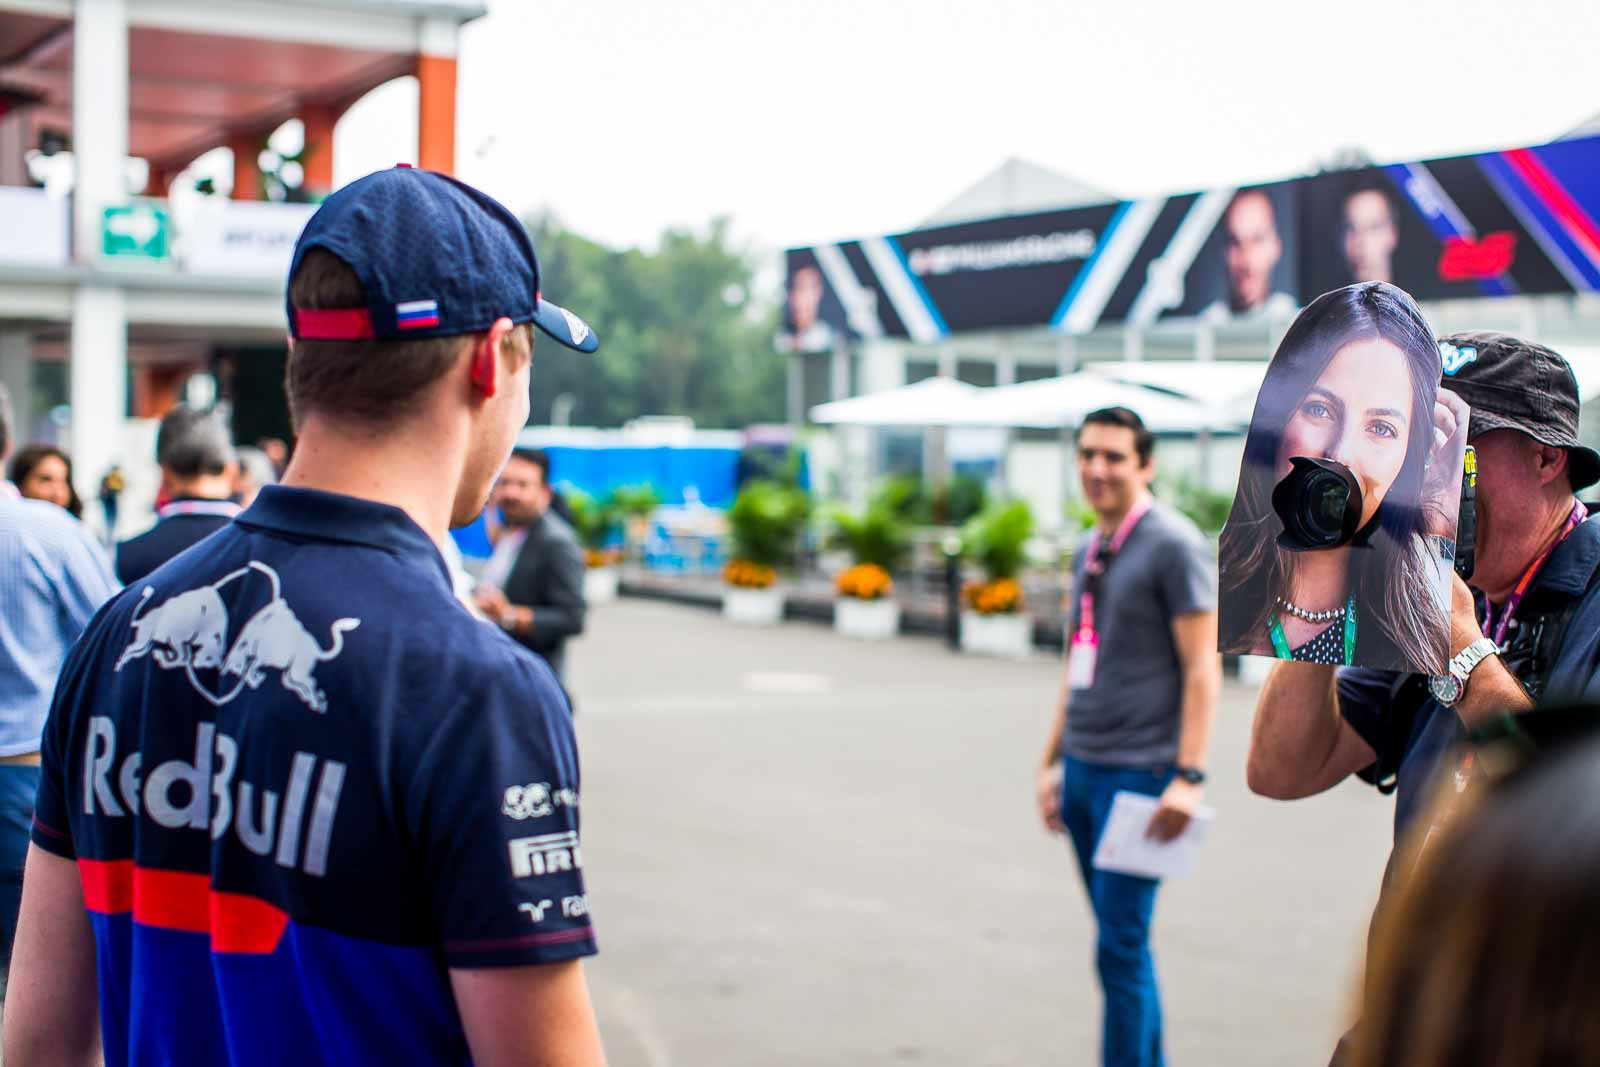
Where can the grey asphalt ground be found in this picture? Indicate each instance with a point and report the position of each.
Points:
(802, 849)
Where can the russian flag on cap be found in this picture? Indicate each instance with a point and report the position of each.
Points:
(416, 314)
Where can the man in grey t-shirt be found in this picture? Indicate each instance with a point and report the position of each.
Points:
(1142, 683)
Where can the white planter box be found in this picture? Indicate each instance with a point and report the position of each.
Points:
(873, 620)
(997, 635)
(753, 607)
(600, 585)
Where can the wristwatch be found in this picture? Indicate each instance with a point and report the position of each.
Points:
(1192, 775)
(1448, 688)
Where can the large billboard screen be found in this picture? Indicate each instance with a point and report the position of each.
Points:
(1493, 224)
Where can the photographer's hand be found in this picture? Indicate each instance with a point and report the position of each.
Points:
(1441, 488)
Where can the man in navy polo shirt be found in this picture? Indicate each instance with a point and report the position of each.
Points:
(197, 463)
(296, 805)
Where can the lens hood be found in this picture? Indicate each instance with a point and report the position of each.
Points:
(1319, 503)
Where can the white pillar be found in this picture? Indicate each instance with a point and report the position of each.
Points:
(99, 369)
(1005, 368)
(99, 383)
(839, 373)
(1066, 355)
(99, 116)
(796, 389)
(16, 374)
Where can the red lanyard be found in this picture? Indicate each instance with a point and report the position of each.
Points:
(1574, 520)
(1096, 566)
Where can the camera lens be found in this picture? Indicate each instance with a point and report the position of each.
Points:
(1325, 497)
(1319, 503)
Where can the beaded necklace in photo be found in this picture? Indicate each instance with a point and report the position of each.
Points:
(1280, 643)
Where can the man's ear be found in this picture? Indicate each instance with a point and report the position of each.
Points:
(1549, 460)
(486, 357)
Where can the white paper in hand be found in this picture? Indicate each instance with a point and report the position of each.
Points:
(1125, 849)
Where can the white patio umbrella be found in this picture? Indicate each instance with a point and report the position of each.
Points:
(930, 402)
(1230, 385)
(1054, 403)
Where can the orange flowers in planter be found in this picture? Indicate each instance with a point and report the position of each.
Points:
(747, 575)
(864, 581)
(601, 557)
(999, 597)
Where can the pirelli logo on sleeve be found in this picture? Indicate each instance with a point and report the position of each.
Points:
(532, 857)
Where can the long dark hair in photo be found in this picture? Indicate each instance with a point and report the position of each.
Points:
(1401, 619)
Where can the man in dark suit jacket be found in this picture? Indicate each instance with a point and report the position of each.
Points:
(197, 471)
(533, 584)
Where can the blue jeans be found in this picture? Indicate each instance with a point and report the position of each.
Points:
(1130, 1034)
(18, 785)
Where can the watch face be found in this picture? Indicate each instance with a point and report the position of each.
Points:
(1446, 688)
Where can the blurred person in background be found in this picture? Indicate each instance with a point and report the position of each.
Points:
(44, 472)
(276, 451)
(255, 470)
(533, 584)
(111, 490)
(1489, 956)
(197, 480)
(1251, 250)
(53, 577)
(1136, 706)
(1369, 233)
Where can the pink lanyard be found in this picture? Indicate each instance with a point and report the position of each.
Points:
(1095, 567)
(1579, 514)
(225, 509)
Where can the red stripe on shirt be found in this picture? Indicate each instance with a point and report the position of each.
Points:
(180, 900)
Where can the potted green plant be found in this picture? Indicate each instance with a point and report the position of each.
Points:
(595, 523)
(764, 527)
(993, 619)
(877, 541)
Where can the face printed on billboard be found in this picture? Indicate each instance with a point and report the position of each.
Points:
(1246, 268)
(814, 320)
(1339, 545)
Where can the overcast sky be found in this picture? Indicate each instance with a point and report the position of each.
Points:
(829, 119)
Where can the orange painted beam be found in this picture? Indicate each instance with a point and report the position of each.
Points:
(318, 158)
(436, 118)
(246, 167)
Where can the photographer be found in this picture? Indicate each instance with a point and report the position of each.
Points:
(1527, 630)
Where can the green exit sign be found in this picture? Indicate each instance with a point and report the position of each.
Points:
(137, 231)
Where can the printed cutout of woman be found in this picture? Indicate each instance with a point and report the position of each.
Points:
(1356, 381)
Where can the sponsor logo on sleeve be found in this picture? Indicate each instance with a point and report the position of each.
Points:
(536, 800)
(534, 857)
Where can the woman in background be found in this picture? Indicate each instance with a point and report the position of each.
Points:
(43, 472)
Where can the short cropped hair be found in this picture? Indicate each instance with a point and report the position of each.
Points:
(192, 443)
(1144, 442)
(370, 380)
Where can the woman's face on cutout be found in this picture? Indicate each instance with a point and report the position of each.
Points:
(1358, 413)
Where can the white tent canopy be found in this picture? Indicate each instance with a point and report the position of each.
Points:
(1231, 385)
(1053, 403)
(930, 402)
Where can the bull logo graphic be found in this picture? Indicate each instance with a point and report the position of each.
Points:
(189, 632)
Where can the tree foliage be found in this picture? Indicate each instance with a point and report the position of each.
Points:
(678, 333)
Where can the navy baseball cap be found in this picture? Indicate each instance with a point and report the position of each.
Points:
(435, 257)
